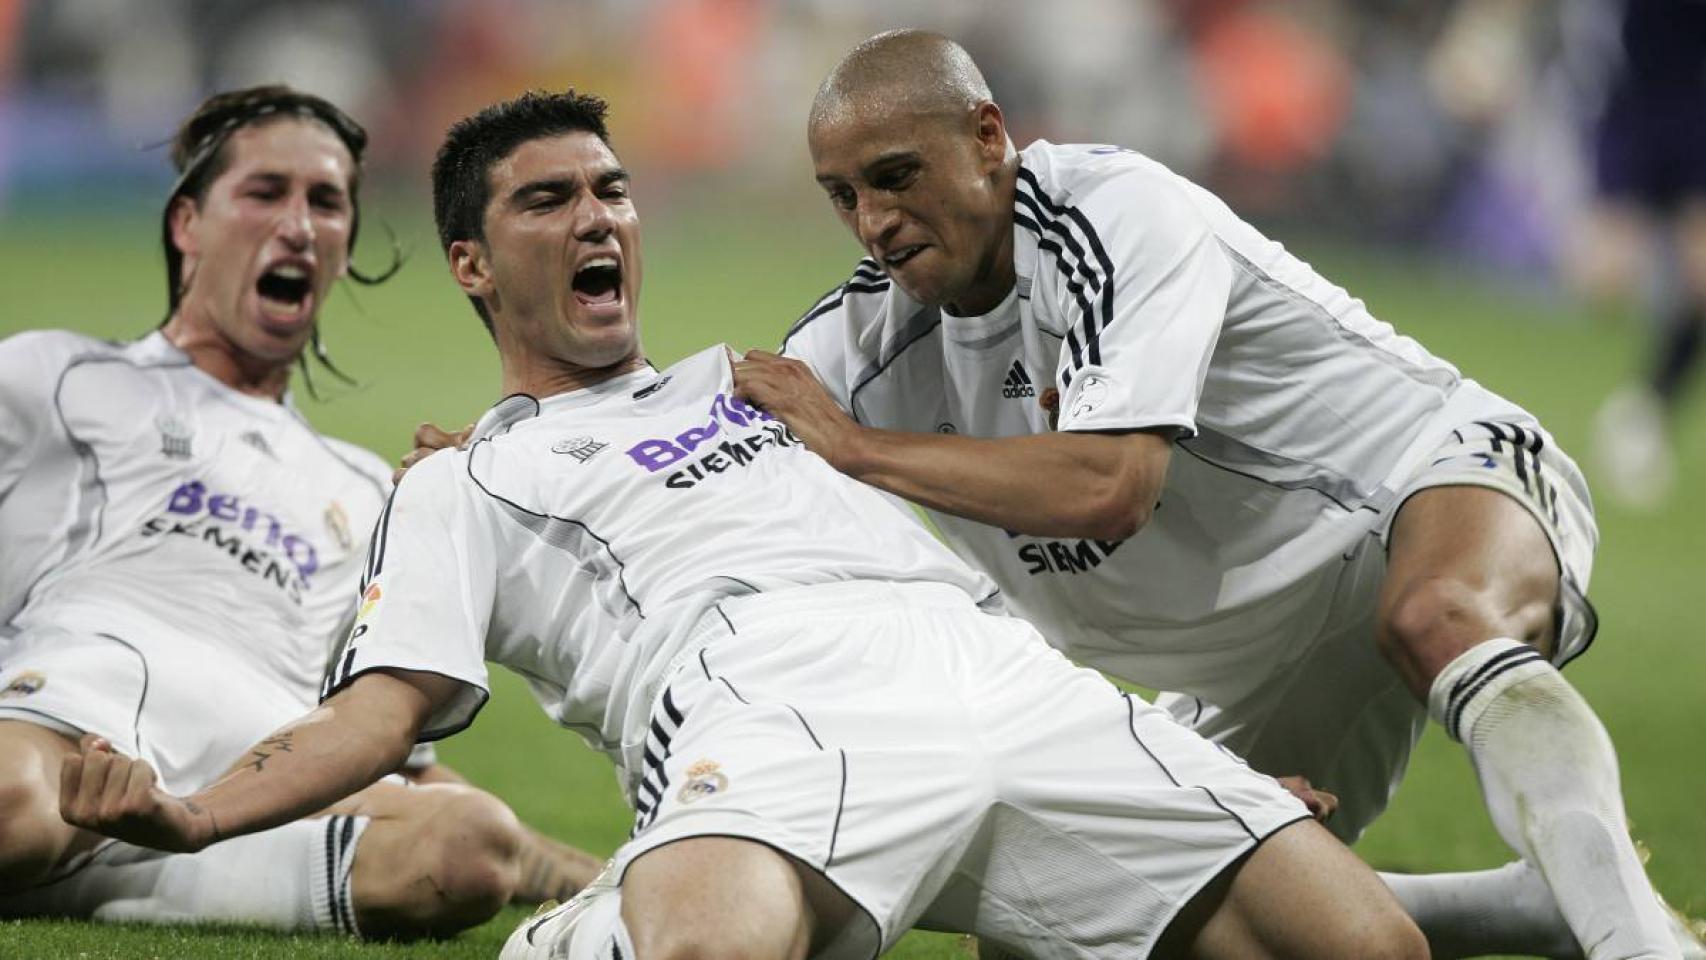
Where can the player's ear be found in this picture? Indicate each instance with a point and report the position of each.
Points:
(182, 219)
(468, 264)
(991, 130)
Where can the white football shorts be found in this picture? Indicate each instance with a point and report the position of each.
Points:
(1337, 713)
(189, 708)
(944, 766)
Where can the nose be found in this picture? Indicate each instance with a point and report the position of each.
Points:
(877, 220)
(296, 227)
(597, 221)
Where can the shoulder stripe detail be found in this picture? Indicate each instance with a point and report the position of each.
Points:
(92, 490)
(1092, 328)
(378, 542)
(924, 323)
(564, 533)
(834, 298)
(1077, 290)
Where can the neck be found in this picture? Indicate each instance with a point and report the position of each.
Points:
(544, 377)
(995, 272)
(215, 354)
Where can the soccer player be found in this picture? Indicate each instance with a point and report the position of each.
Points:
(181, 550)
(1649, 153)
(826, 732)
(1198, 465)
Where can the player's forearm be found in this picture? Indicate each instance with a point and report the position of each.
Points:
(1055, 484)
(352, 740)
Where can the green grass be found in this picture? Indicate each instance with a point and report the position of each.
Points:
(714, 275)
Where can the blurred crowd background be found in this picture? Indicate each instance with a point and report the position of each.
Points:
(1458, 126)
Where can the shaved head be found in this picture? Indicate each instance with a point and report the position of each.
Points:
(912, 71)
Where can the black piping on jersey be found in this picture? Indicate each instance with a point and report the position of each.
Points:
(136, 722)
(1092, 335)
(542, 531)
(1131, 725)
(841, 802)
(1290, 485)
(868, 277)
(1441, 379)
(925, 321)
(425, 736)
(93, 516)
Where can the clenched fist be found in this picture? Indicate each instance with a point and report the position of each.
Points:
(111, 793)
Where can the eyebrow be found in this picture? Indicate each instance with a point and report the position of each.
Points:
(883, 160)
(566, 185)
(277, 178)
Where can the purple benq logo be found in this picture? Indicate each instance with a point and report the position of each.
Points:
(192, 498)
(655, 455)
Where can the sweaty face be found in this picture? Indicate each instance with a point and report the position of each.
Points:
(269, 237)
(562, 251)
(919, 192)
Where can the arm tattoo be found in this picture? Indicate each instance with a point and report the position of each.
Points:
(277, 743)
(198, 810)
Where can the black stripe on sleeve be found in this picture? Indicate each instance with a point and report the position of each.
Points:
(1092, 331)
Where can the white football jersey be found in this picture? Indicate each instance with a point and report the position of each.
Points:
(1150, 305)
(142, 498)
(579, 539)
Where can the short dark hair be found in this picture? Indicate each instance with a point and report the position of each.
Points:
(461, 173)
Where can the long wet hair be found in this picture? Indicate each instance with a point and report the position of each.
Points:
(200, 155)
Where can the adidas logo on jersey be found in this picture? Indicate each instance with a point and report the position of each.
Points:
(1018, 383)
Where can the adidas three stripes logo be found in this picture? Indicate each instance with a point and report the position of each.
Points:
(1018, 383)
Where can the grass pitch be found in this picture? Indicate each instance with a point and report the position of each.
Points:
(421, 354)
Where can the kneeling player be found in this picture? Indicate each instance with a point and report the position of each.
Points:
(181, 549)
(826, 732)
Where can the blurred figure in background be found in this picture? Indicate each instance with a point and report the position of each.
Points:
(1648, 229)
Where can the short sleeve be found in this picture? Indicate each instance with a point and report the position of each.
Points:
(1140, 337)
(427, 594)
(26, 399)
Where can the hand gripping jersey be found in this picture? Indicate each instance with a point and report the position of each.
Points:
(1150, 305)
(143, 500)
(579, 539)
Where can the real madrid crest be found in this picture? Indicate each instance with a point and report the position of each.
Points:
(704, 779)
(23, 685)
(337, 521)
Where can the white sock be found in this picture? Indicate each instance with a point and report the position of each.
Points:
(1508, 910)
(1549, 777)
(295, 877)
(588, 927)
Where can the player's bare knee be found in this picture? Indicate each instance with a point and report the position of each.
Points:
(722, 942)
(1428, 621)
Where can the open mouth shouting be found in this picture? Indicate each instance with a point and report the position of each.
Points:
(286, 290)
(597, 284)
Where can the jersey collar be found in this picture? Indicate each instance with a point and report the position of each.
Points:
(517, 407)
